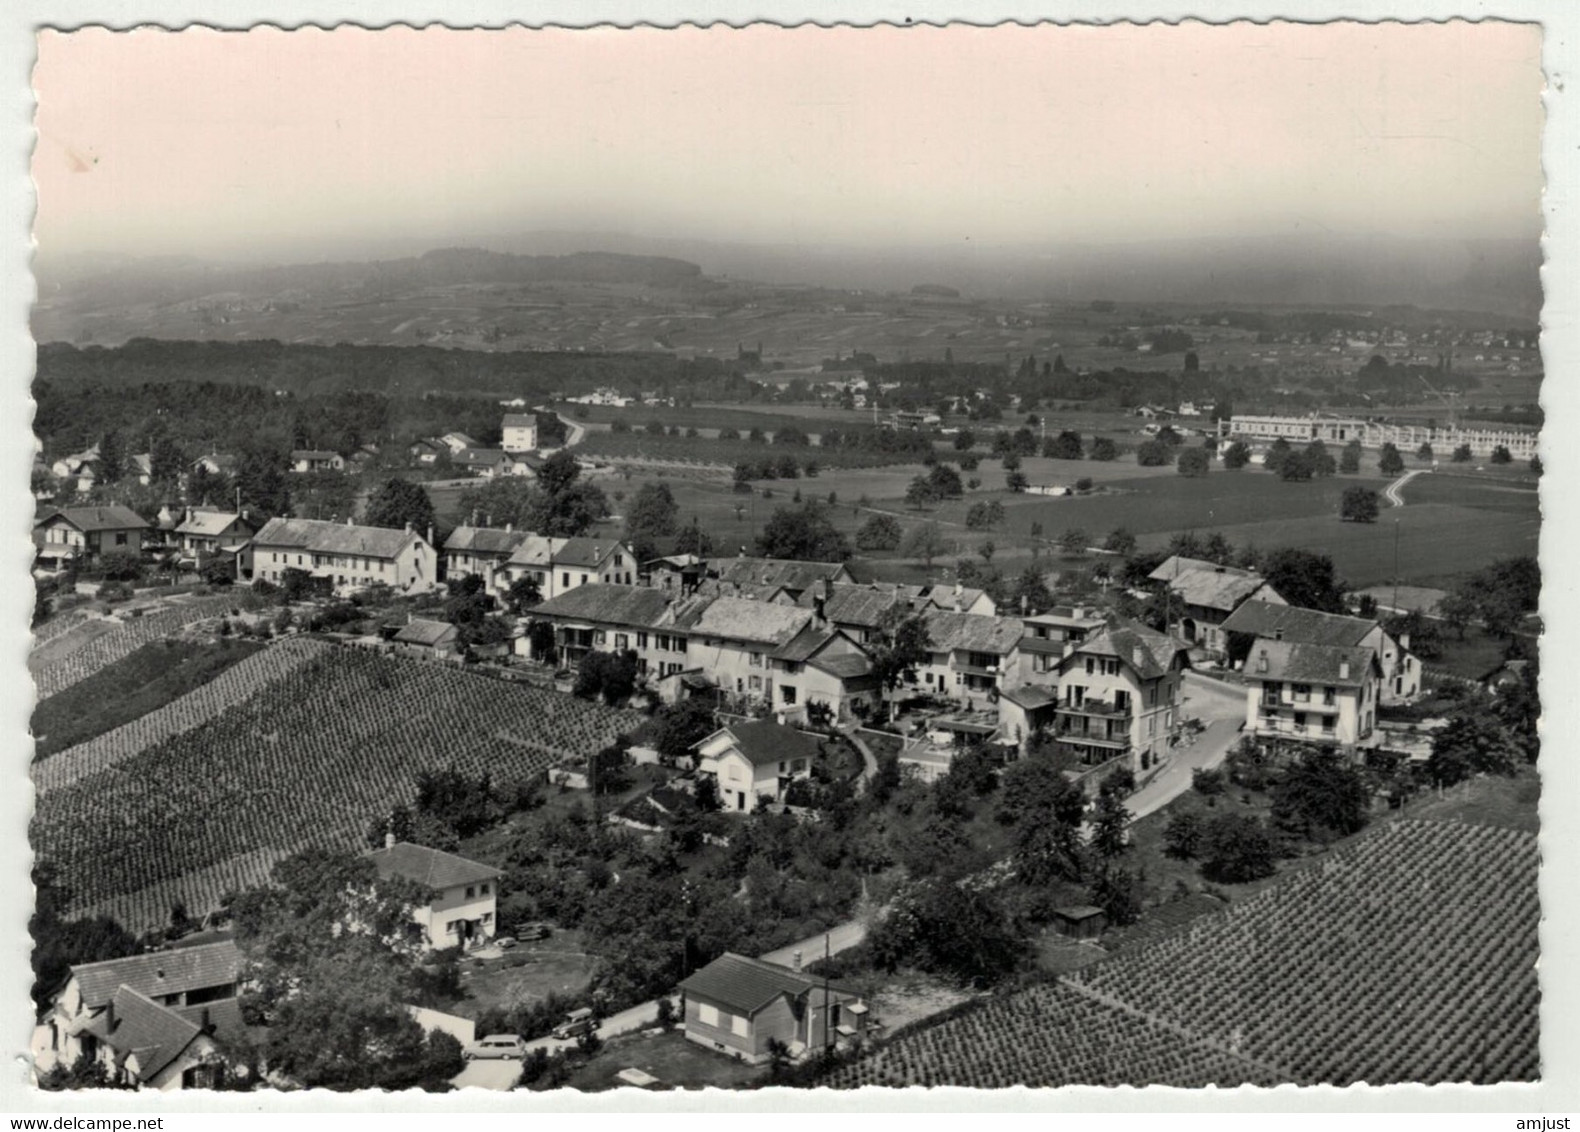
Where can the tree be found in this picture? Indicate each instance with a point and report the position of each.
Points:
(921, 493)
(1424, 453)
(1109, 827)
(1358, 505)
(1320, 459)
(1501, 455)
(112, 460)
(924, 541)
(1236, 849)
(1118, 893)
(1350, 458)
(1321, 794)
(962, 933)
(1462, 454)
(1017, 482)
(946, 482)
(987, 549)
(898, 646)
(1182, 837)
(1389, 461)
(1304, 578)
(1153, 454)
(1536, 465)
(1104, 448)
(1073, 543)
(965, 440)
(984, 514)
(804, 533)
(1296, 466)
(1472, 743)
(1236, 456)
(1066, 446)
(610, 675)
(652, 515)
(879, 532)
(678, 727)
(558, 472)
(1031, 594)
(524, 593)
(165, 460)
(1193, 462)
(397, 504)
(1121, 542)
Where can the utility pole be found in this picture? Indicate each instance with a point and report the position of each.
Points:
(828, 1007)
(1396, 567)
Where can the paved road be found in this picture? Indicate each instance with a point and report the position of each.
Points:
(1219, 704)
(1391, 492)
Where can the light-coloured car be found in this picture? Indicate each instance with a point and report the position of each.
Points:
(496, 1046)
(576, 1023)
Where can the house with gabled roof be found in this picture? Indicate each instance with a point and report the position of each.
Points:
(1399, 667)
(84, 534)
(735, 640)
(427, 450)
(561, 564)
(458, 442)
(1316, 693)
(485, 463)
(347, 556)
(1203, 595)
(755, 761)
(742, 575)
(973, 657)
(317, 460)
(203, 531)
(484, 551)
(160, 1020)
(463, 894)
(426, 638)
(1119, 694)
(520, 432)
(737, 1006)
(614, 619)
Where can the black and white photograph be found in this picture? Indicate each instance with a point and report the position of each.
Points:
(570, 559)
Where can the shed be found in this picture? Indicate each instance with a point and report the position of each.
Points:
(1080, 921)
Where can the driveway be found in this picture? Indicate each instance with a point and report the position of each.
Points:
(498, 1074)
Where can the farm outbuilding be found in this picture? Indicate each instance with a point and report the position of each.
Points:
(1080, 921)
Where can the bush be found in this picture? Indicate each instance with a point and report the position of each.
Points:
(1182, 837)
(1193, 462)
(1236, 849)
(1208, 782)
(880, 532)
(1153, 454)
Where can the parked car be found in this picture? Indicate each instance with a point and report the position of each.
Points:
(577, 1023)
(496, 1046)
(504, 942)
(531, 932)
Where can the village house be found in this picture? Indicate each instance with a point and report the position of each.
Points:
(743, 576)
(1401, 671)
(1118, 697)
(86, 534)
(484, 551)
(153, 1021)
(734, 641)
(972, 657)
(349, 557)
(464, 894)
(754, 762)
(561, 564)
(215, 464)
(202, 532)
(1203, 595)
(485, 463)
(857, 611)
(427, 451)
(458, 442)
(520, 432)
(1048, 637)
(613, 619)
(737, 1005)
(675, 573)
(317, 460)
(1324, 694)
(426, 639)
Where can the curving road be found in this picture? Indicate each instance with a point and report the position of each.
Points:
(1391, 492)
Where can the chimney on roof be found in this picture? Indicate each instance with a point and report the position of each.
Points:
(509, 527)
(1261, 661)
(207, 1025)
(430, 534)
(959, 592)
(1404, 641)
(349, 523)
(1023, 604)
(389, 840)
(1344, 670)
(1137, 657)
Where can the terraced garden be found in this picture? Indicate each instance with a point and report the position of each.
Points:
(1409, 956)
(310, 758)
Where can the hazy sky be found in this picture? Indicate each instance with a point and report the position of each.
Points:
(298, 144)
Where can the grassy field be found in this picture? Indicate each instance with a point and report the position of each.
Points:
(528, 973)
(132, 687)
(673, 1060)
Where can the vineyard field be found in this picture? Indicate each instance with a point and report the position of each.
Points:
(133, 688)
(92, 645)
(310, 759)
(1046, 1037)
(1409, 956)
(195, 708)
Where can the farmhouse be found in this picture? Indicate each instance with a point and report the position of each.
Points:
(460, 911)
(1316, 693)
(485, 463)
(1204, 594)
(317, 460)
(736, 641)
(755, 761)
(1401, 671)
(349, 557)
(202, 531)
(85, 534)
(1118, 696)
(151, 1020)
(520, 432)
(737, 1005)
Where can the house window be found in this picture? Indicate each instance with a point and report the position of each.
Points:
(482, 890)
(1302, 693)
(756, 660)
(486, 918)
(565, 579)
(1327, 725)
(584, 579)
(741, 1027)
(120, 539)
(453, 927)
(789, 693)
(1300, 721)
(641, 640)
(619, 560)
(756, 683)
(1328, 696)
(707, 1015)
(622, 641)
(1091, 666)
(471, 891)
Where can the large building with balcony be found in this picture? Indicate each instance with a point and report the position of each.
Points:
(1324, 694)
(1401, 671)
(1118, 698)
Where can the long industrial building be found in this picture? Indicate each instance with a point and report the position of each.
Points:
(1374, 434)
